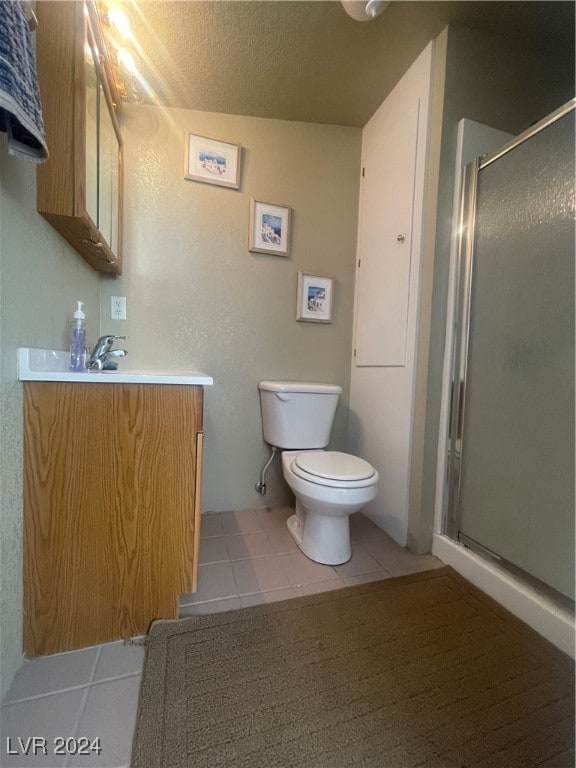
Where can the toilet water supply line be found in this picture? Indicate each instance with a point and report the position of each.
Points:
(261, 485)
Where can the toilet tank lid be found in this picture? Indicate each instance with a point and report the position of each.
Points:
(300, 386)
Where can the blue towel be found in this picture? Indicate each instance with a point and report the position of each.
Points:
(20, 109)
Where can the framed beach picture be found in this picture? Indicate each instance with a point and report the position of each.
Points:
(212, 161)
(269, 228)
(314, 299)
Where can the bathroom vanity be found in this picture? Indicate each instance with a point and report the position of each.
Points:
(112, 485)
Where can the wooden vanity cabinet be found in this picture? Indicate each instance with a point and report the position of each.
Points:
(111, 509)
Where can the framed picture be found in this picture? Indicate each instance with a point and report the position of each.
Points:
(269, 228)
(314, 301)
(212, 161)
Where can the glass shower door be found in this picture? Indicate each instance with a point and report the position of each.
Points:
(512, 442)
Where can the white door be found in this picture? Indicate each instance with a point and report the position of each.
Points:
(385, 239)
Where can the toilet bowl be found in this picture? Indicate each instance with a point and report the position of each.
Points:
(329, 486)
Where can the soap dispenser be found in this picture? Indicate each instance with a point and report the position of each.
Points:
(78, 340)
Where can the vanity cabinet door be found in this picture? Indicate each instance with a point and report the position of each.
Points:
(111, 509)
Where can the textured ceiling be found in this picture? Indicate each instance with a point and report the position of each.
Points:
(307, 59)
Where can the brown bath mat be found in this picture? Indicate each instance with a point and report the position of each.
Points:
(421, 670)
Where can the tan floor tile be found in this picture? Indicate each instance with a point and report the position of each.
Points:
(360, 562)
(301, 570)
(210, 524)
(240, 521)
(365, 578)
(212, 606)
(213, 549)
(260, 574)
(241, 547)
(274, 518)
(274, 596)
(281, 542)
(215, 582)
(318, 586)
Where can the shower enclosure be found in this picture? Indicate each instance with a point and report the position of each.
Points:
(511, 438)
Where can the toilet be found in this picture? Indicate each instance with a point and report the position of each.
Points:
(329, 486)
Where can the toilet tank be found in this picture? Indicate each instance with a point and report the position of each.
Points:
(298, 414)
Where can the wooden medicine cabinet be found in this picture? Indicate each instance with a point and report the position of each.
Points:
(80, 186)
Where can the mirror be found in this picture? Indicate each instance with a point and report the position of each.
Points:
(103, 160)
(91, 80)
(108, 154)
(80, 187)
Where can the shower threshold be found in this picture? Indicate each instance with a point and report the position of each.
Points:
(544, 590)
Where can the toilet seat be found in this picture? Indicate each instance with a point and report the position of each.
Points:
(334, 469)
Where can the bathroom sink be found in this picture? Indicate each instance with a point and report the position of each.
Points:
(52, 365)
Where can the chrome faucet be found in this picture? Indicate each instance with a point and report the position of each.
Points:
(103, 352)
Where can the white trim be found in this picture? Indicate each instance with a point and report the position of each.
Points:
(549, 620)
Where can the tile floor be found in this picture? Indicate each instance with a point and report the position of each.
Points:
(69, 700)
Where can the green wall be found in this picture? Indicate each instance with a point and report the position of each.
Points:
(40, 279)
(197, 298)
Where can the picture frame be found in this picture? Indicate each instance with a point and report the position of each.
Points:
(314, 298)
(212, 161)
(269, 228)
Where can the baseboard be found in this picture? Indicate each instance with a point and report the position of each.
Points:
(548, 619)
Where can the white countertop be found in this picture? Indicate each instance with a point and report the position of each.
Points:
(52, 365)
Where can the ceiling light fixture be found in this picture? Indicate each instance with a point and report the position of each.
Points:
(362, 10)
